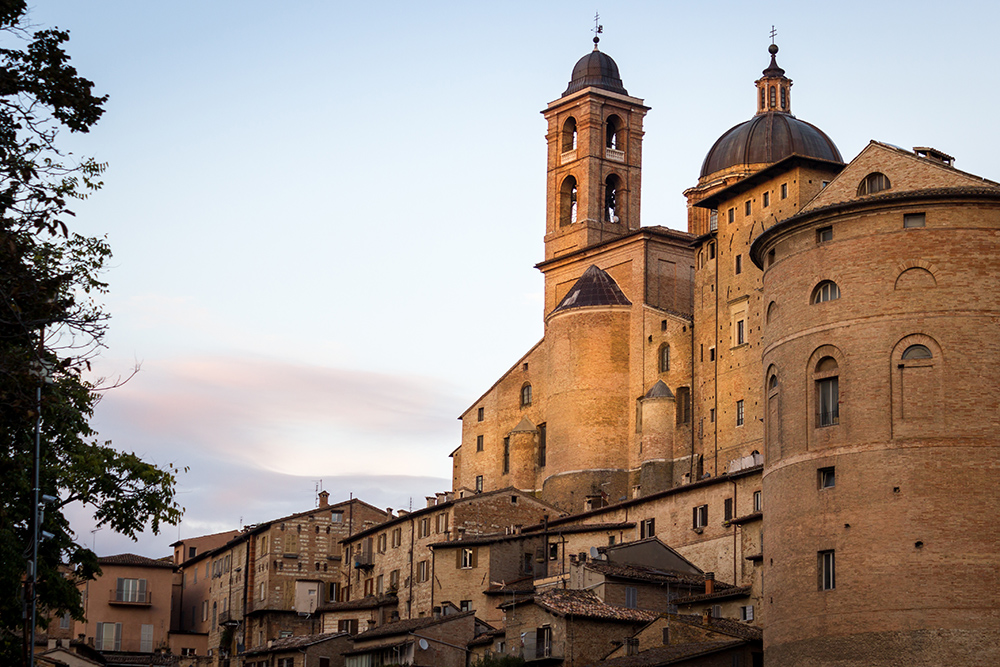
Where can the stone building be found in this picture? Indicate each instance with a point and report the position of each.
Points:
(810, 360)
(269, 581)
(395, 557)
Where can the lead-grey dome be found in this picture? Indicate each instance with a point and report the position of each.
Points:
(769, 137)
(596, 69)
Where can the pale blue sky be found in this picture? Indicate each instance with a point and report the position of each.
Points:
(325, 215)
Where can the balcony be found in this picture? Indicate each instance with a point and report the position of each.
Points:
(567, 156)
(227, 619)
(548, 652)
(364, 561)
(614, 154)
(130, 598)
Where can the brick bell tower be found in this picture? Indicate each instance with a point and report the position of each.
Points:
(594, 158)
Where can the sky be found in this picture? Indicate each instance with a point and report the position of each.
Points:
(325, 215)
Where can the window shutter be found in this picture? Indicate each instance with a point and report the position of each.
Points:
(99, 637)
(120, 590)
(458, 558)
(694, 517)
(475, 557)
(142, 590)
(652, 527)
(118, 636)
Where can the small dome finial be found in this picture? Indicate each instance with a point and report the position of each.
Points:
(773, 49)
(773, 69)
(597, 29)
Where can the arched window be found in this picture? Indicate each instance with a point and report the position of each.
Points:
(569, 135)
(827, 378)
(918, 352)
(525, 395)
(772, 384)
(762, 101)
(772, 312)
(784, 98)
(825, 291)
(567, 201)
(612, 197)
(664, 358)
(614, 128)
(773, 99)
(872, 183)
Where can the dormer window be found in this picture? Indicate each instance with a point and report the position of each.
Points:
(872, 183)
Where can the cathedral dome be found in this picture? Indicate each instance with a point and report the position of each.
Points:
(773, 133)
(596, 69)
(769, 137)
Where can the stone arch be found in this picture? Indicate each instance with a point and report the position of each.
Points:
(772, 414)
(569, 135)
(916, 380)
(828, 394)
(915, 274)
(771, 313)
(615, 132)
(568, 196)
(613, 199)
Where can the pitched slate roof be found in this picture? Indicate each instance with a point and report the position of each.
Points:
(134, 560)
(594, 288)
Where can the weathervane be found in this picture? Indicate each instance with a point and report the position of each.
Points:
(597, 29)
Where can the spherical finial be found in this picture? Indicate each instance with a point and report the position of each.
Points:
(773, 49)
(596, 40)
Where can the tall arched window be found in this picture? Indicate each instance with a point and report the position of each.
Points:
(612, 198)
(773, 98)
(825, 291)
(827, 378)
(569, 135)
(664, 358)
(762, 102)
(872, 183)
(614, 128)
(773, 417)
(567, 201)
(526, 395)
(784, 98)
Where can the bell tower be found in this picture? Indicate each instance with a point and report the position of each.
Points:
(594, 158)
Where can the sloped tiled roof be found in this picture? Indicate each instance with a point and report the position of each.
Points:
(594, 288)
(367, 602)
(294, 643)
(719, 594)
(642, 573)
(724, 625)
(406, 626)
(486, 638)
(667, 655)
(134, 560)
(586, 604)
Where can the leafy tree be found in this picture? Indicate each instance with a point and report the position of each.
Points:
(50, 278)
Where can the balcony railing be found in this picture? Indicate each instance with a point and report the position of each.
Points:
(228, 619)
(131, 598)
(535, 651)
(363, 560)
(614, 154)
(568, 156)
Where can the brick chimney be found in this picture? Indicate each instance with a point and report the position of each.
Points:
(324, 499)
(706, 616)
(709, 583)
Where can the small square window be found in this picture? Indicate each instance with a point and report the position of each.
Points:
(766, 200)
(784, 190)
(647, 528)
(525, 366)
(479, 483)
(824, 234)
(739, 264)
(480, 414)
(663, 325)
(479, 443)
(732, 214)
(824, 184)
(911, 220)
(739, 412)
(700, 516)
(827, 478)
(746, 207)
(554, 551)
(746, 613)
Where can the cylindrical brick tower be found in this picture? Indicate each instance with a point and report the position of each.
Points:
(587, 410)
(880, 350)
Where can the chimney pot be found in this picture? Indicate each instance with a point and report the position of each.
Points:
(709, 583)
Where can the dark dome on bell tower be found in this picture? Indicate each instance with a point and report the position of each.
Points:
(596, 69)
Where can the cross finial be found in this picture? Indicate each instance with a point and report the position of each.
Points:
(597, 29)
(773, 33)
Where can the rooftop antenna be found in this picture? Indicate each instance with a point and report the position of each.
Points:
(597, 29)
(318, 486)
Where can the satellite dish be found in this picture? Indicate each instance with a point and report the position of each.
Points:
(423, 644)
(594, 553)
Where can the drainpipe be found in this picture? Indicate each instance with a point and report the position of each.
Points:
(735, 582)
(409, 611)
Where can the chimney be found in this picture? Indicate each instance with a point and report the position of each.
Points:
(437, 612)
(709, 583)
(706, 616)
(431, 500)
(324, 499)
(388, 510)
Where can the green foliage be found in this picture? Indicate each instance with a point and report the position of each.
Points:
(50, 280)
(498, 660)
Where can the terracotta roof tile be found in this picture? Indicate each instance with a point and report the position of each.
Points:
(132, 559)
(665, 655)
(586, 604)
(293, 643)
